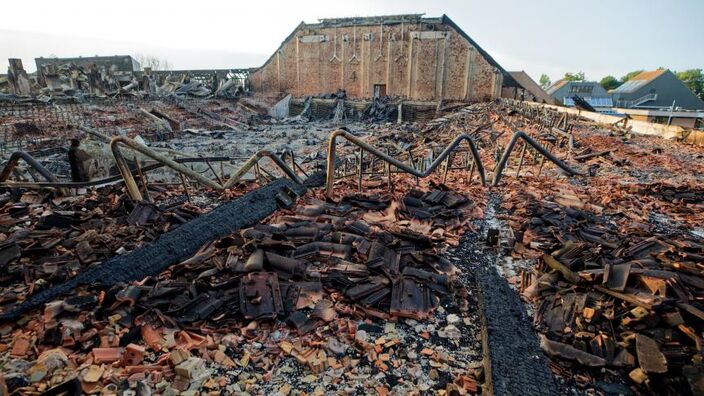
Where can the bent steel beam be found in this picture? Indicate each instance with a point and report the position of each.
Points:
(130, 183)
(136, 195)
(97, 182)
(95, 133)
(507, 152)
(33, 163)
(392, 161)
(252, 161)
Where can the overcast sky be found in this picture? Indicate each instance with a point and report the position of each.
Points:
(539, 36)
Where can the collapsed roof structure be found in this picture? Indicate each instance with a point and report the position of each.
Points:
(264, 243)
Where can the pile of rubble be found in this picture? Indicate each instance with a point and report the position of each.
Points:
(381, 110)
(617, 287)
(70, 81)
(293, 288)
(48, 240)
(180, 86)
(365, 294)
(616, 296)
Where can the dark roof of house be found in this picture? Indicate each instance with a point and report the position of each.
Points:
(555, 86)
(639, 81)
(522, 78)
(561, 83)
(594, 102)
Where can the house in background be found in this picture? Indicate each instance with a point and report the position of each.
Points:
(659, 96)
(525, 88)
(655, 89)
(562, 92)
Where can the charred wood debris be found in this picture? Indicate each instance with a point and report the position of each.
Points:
(356, 293)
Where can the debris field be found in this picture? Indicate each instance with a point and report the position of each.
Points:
(364, 285)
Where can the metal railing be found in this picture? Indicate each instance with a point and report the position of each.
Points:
(444, 155)
(14, 160)
(136, 195)
(176, 164)
(529, 141)
(639, 101)
(98, 182)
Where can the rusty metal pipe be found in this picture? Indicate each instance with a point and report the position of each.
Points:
(359, 179)
(471, 170)
(520, 162)
(33, 163)
(127, 175)
(507, 152)
(132, 186)
(93, 132)
(393, 161)
(97, 182)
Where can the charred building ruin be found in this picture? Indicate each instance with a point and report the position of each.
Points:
(402, 56)
(208, 233)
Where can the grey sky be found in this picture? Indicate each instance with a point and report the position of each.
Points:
(539, 36)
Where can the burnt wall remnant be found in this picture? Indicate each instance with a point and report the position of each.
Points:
(404, 56)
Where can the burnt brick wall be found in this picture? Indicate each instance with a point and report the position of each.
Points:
(425, 62)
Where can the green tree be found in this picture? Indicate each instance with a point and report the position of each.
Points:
(694, 80)
(609, 83)
(544, 81)
(579, 76)
(630, 75)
